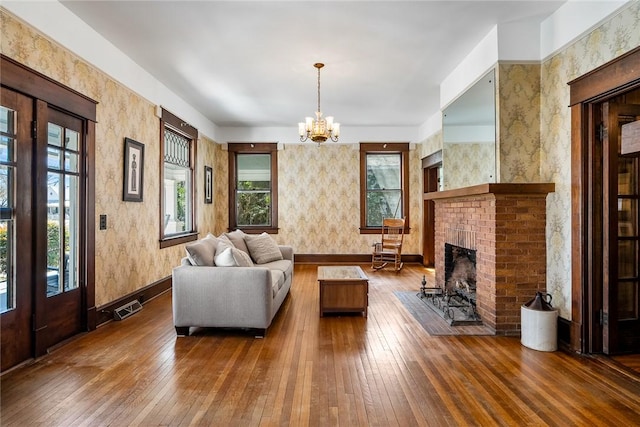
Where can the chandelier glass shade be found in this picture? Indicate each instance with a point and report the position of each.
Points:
(319, 129)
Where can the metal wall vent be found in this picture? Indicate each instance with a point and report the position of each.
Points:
(127, 310)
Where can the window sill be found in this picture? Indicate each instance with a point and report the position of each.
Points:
(178, 240)
(257, 230)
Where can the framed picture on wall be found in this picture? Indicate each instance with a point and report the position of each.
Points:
(133, 170)
(208, 184)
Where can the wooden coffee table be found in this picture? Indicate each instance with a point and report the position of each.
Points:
(343, 289)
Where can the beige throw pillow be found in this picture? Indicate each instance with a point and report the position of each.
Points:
(202, 252)
(263, 248)
(237, 238)
(241, 258)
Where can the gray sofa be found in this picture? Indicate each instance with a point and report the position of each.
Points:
(247, 295)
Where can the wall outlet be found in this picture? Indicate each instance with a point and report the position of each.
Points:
(103, 222)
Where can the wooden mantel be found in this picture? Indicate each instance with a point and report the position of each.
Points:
(533, 188)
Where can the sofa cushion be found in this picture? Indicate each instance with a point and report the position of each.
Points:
(202, 252)
(237, 237)
(263, 248)
(228, 256)
(284, 265)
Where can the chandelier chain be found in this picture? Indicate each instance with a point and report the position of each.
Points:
(319, 89)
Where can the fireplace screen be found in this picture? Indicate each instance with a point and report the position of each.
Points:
(457, 301)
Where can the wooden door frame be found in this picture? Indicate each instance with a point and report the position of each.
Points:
(607, 81)
(47, 92)
(430, 165)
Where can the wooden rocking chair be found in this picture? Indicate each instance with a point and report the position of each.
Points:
(389, 249)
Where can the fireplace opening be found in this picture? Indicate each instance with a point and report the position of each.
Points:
(459, 270)
(456, 302)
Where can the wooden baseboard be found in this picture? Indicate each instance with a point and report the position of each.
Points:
(104, 313)
(346, 258)
(564, 332)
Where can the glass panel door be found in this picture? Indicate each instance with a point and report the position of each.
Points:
(62, 225)
(621, 280)
(627, 238)
(62, 209)
(7, 206)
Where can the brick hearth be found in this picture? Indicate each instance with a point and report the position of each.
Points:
(505, 224)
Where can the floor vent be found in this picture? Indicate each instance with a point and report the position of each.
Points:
(127, 310)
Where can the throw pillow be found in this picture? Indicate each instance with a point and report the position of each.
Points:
(232, 257)
(202, 252)
(237, 238)
(225, 258)
(263, 248)
(241, 258)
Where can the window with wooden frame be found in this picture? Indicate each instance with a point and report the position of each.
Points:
(177, 177)
(253, 187)
(384, 184)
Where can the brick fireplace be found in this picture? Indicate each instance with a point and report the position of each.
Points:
(505, 224)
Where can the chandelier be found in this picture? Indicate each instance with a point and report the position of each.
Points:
(320, 129)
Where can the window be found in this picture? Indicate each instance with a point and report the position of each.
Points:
(253, 187)
(384, 184)
(177, 210)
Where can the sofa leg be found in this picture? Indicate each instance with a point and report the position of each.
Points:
(182, 331)
(260, 333)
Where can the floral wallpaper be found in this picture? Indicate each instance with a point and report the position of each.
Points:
(469, 164)
(431, 144)
(220, 190)
(518, 106)
(617, 35)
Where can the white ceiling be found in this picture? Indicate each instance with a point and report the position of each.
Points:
(250, 63)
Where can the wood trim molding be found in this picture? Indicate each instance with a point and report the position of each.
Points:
(236, 148)
(36, 85)
(104, 313)
(401, 148)
(90, 209)
(173, 123)
(432, 160)
(617, 76)
(476, 190)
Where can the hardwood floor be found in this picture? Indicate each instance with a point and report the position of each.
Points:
(383, 370)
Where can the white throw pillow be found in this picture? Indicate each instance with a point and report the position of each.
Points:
(228, 256)
(263, 248)
(225, 258)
